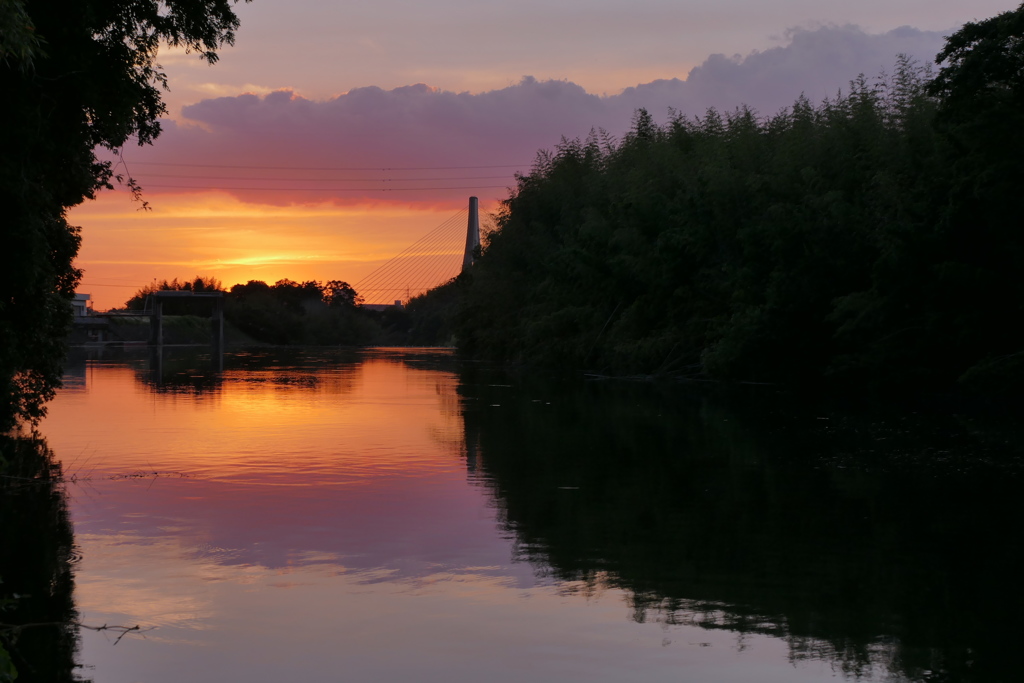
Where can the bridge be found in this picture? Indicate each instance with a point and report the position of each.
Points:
(432, 260)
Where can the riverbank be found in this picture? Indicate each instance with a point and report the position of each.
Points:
(136, 330)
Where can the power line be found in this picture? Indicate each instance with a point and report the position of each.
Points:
(331, 168)
(327, 189)
(335, 180)
(97, 284)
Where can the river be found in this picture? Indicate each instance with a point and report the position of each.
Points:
(398, 515)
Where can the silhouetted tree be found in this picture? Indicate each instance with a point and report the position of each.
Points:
(872, 239)
(309, 312)
(338, 294)
(140, 301)
(76, 75)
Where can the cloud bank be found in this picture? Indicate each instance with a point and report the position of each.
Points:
(403, 144)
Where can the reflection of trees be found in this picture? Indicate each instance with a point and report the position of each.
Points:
(36, 554)
(849, 549)
(197, 371)
(182, 371)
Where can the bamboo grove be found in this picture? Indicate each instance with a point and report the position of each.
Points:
(873, 239)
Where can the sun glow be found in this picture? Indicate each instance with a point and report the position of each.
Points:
(215, 234)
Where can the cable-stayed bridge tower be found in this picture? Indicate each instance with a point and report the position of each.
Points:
(430, 261)
(472, 233)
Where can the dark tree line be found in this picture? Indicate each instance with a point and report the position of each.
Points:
(872, 239)
(429, 318)
(76, 75)
(286, 312)
(141, 300)
(290, 312)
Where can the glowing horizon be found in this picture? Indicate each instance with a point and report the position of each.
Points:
(215, 235)
(270, 171)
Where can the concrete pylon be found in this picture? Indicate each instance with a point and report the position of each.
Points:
(472, 233)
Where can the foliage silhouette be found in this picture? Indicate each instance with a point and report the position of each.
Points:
(286, 312)
(871, 240)
(290, 312)
(77, 75)
(142, 301)
(431, 315)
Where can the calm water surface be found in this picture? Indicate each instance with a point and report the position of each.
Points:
(393, 515)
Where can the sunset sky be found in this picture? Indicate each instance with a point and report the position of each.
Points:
(319, 145)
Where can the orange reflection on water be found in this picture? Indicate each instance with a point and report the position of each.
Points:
(327, 526)
(280, 425)
(356, 455)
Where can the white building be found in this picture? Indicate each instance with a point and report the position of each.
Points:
(81, 305)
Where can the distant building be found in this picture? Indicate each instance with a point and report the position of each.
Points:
(82, 305)
(88, 327)
(383, 307)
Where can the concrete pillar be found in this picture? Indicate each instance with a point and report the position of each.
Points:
(156, 323)
(217, 323)
(217, 328)
(472, 233)
(156, 365)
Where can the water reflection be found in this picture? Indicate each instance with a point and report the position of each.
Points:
(303, 507)
(37, 619)
(873, 541)
(285, 453)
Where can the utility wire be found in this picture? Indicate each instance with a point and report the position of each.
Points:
(319, 180)
(98, 284)
(332, 168)
(328, 189)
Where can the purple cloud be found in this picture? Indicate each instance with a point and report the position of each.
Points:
(409, 136)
